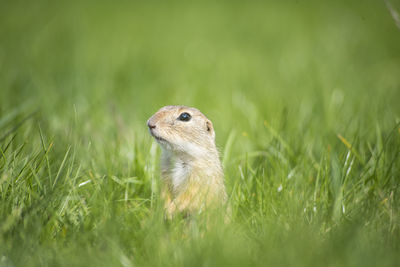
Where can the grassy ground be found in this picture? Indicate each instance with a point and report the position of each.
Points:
(304, 97)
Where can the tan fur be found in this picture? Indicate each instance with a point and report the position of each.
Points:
(191, 170)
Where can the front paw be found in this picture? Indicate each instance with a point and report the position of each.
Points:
(169, 211)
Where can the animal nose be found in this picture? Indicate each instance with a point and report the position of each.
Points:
(151, 126)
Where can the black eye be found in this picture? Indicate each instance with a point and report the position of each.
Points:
(184, 116)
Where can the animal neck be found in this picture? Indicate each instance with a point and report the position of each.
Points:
(181, 168)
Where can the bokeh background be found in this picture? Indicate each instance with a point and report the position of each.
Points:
(232, 60)
(296, 91)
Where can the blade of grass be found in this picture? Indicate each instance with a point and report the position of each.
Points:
(61, 167)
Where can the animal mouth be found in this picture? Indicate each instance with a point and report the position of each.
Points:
(158, 138)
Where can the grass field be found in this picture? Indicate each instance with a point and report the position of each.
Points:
(304, 97)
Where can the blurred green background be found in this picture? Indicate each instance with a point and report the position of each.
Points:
(304, 97)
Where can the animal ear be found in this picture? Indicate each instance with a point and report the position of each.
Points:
(210, 128)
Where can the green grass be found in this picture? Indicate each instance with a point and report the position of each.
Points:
(304, 97)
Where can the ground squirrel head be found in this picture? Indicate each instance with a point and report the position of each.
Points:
(182, 129)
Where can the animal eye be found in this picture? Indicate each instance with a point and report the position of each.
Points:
(184, 116)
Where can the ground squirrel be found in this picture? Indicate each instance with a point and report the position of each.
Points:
(191, 171)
